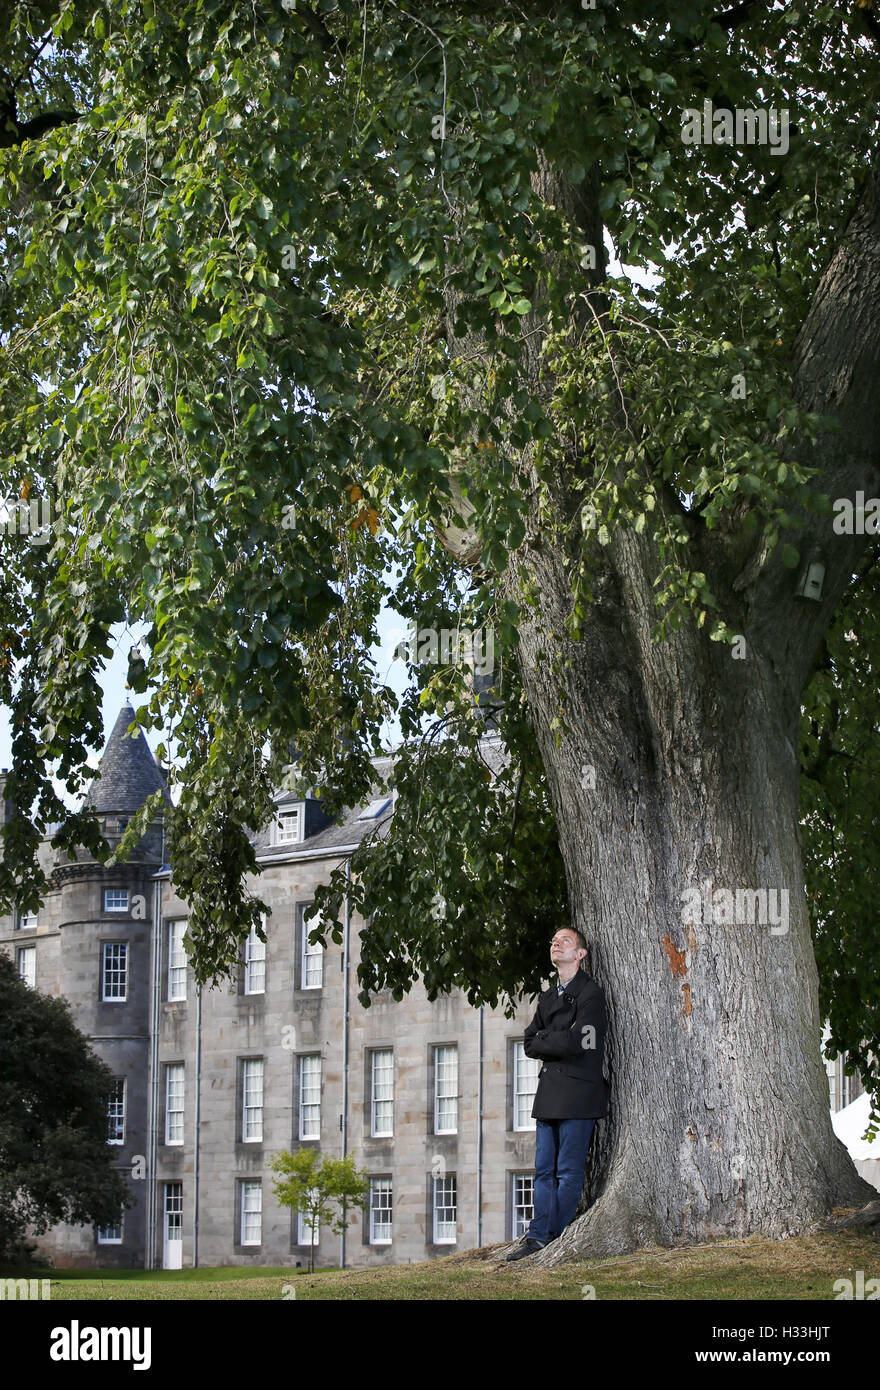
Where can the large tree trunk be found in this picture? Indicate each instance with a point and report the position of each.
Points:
(680, 767)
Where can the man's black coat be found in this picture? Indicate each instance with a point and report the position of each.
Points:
(568, 1035)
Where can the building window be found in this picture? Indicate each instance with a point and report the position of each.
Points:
(254, 964)
(116, 1114)
(173, 1213)
(310, 1097)
(26, 921)
(523, 1203)
(445, 1210)
(288, 826)
(251, 1213)
(176, 960)
(110, 1235)
(525, 1084)
(115, 970)
(115, 899)
(252, 1106)
(26, 964)
(445, 1090)
(380, 1211)
(174, 1076)
(382, 1093)
(308, 1232)
(312, 972)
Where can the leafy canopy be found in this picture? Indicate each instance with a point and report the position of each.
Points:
(287, 300)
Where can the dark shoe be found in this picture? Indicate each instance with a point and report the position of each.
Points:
(528, 1247)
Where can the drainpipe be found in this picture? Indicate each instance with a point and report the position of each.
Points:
(198, 1112)
(346, 965)
(480, 1137)
(153, 1102)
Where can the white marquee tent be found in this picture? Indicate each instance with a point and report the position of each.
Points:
(849, 1125)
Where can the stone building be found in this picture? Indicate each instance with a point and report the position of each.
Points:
(432, 1099)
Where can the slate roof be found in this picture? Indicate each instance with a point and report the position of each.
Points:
(347, 831)
(128, 772)
(350, 830)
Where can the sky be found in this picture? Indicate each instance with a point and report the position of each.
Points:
(391, 672)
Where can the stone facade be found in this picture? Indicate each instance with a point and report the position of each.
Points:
(187, 1058)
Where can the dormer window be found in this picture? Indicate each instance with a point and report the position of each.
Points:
(289, 826)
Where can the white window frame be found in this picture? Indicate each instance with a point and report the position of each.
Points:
(521, 1064)
(116, 1110)
(175, 1091)
(107, 947)
(520, 1224)
(376, 1100)
(310, 1109)
(115, 907)
(176, 959)
(26, 921)
(255, 957)
(380, 1186)
(442, 1190)
(252, 1069)
(172, 1205)
(302, 1231)
(287, 812)
(309, 955)
(105, 1239)
(250, 1189)
(445, 1086)
(26, 965)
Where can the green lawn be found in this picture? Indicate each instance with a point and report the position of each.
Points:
(805, 1268)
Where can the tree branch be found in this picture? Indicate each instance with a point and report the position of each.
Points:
(835, 369)
(15, 132)
(738, 14)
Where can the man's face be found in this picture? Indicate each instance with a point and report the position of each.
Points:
(565, 951)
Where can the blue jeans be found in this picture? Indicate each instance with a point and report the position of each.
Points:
(560, 1158)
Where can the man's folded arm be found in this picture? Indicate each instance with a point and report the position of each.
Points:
(534, 1035)
(585, 1032)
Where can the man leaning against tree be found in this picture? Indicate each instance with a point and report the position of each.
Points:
(568, 1035)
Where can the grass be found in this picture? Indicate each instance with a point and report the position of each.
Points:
(803, 1268)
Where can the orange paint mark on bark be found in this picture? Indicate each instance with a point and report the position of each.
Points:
(686, 991)
(675, 956)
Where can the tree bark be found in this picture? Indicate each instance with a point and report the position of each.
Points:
(678, 769)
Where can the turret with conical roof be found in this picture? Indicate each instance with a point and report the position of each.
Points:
(128, 771)
(128, 774)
